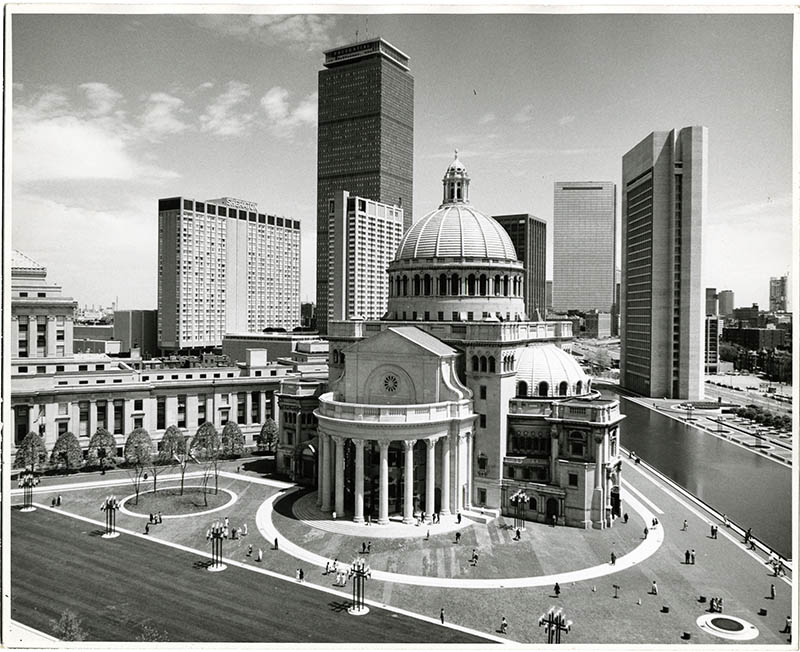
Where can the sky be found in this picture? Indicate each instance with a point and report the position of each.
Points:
(111, 112)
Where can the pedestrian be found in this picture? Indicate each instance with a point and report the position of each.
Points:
(653, 522)
(685, 525)
(458, 518)
(691, 556)
(250, 550)
(787, 628)
(327, 566)
(645, 531)
(553, 519)
(687, 556)
(625, 517)
(613, 558)
(747, 535)
(714, 530)
(226, 522)
(58, 501)
(150, 520)
(260, 555)
(369, 547)
(519, 534)
(557, 589)
(363, 547)
(475, 559)
(654, 589)
(53, 503)
(302, 575)
(238, 469)
(725, 520)
(147, 528)
(160, 518)
(276, 543)
(781, 569)
(771, 591)
(244, 529)
(458, 537)
(441, 615)
(428, 535)
(335, 565)
(503, 625)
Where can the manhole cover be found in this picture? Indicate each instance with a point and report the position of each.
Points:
(728, 624)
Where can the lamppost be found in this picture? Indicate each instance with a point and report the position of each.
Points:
(519, 499)
(110, 506)
(554, 623)
(215, 535)
(359, 572)
(27, 481)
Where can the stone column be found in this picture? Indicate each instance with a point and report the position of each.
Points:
(408, 478)
(319, 466)
(458, 474)
(110, 414)
(326, 472)
(430, 479)
(358, 516)
(553, 453)
(339, 475)
(468, 495)
(171, 411)
(92, 425)
(248, 408)
(446, 475)
(383, 511)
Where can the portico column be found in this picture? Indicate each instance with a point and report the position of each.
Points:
(248, 408)
(446, 475)
(326, 472)
(383, 510)
(408, 478)
(430, 478)
(319, 468)
(358, 517)
(468, 496)
(339, 475)
(458, 473)
(92, 425)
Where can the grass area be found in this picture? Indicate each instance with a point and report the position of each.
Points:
(169, 501)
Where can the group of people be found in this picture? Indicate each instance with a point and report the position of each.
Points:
(689, 556)
(56, 502)
(716, 605)
(341, 574)
(778, 569)
(299, 575)
(259, 554)
(366, 547)
(156, 518)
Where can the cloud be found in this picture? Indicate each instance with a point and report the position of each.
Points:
(161, 116)
(102, 98)
(525, 114)
(306, 31)
(565, 120)
(222, 116)
(282, 120)
(487, 118)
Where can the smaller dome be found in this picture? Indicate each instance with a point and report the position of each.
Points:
(546, 371)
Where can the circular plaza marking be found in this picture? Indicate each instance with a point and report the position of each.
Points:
(729, 627)
(232, 494)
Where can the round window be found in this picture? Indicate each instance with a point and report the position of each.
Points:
(390, 383)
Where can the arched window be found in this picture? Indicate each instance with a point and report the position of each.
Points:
(522, 388)
(483, 286)
(579, 387)
(455, 282)
(497, 285)
(426, 285)
(532, 503)
(474, 363)
(442, 284)
(484, 365)
(416, 285)
(562, 388)
(505, 286)
(544, 388)
(336, 356)
(471, 285)
(491, 364)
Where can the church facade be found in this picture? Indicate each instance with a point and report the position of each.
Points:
(454, 402)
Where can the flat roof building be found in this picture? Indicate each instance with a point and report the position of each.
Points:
(528, 233)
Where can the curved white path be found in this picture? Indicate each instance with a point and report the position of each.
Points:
(644, 550)
(232, 494)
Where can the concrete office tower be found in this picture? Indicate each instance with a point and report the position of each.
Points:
(137, 330)
(363, 236)
(725, 298)
(713, 332)
(224, 267)
(712, 301)
(584, 245)
(365, 140)
(663, 201)
(529, 235)
(778, 294)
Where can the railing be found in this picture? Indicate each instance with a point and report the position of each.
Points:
(468, 330)
(330, 407)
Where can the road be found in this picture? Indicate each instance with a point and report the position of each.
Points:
(119, 585)
(745, 397)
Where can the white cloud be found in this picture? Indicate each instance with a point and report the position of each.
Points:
(222, 117)
(102, 98)
(282, 120)
(309, 32)
(565, 120)
(525, 114)
(487, 118)
(161, 116)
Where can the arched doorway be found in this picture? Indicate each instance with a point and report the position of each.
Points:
(552, 509)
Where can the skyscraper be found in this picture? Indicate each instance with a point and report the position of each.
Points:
(725, 303)
(224, 267)
(584, 245)
(529, 235)
(712, 303)
(363, 236)
(365, 137)
(778, 294)
(662, 321)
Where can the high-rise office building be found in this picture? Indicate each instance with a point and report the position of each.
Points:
(224, 267)
(712, 301)
(713, 332)
(725, 298)
(363, 236)
(365, 137)
(584, 245)
(137, 330)
(663, 201)
(778, 293)
(548, 296)
(529, 235)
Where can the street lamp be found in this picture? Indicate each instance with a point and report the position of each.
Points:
(519, 499)
(359, 572)
(215, 534)
(110, 506)
(27, 481)
(554, 623)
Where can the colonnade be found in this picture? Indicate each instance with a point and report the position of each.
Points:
(330, 495)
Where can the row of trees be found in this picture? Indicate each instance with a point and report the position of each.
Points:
(765, 417)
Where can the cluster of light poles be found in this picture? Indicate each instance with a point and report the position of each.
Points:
(110, 506)
(554, 622)
(519, 499)
(27, 481)
(359, 572)
(215, 534)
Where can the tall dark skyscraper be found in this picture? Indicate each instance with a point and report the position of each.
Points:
(365, 139)
(529, 235)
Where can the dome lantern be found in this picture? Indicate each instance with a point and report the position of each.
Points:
(456, 183)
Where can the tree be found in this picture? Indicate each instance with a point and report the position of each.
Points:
(66, 452)
(206, 448)
(268, 436)
(102, 446)
(173, 449)
(232, 440)
(31, 452)
(68, 627)
(138, 453)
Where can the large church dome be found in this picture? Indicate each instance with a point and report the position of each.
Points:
(547, 371)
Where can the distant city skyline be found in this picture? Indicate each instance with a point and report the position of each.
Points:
(111, 112)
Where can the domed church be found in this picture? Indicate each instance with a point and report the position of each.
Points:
(454, 402)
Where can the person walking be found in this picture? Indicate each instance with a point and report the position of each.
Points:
(687, 557)
(369, 547)
(276, 543)
(625, 517)
(441, 615)
(260, 555)
(363, 547)
(250, 550)
(244, 529)
(557, 589)
(613, 558)
(147, 528)
(787, 628)
(645, 531)
(518, 535)
(458, 518)
(458, 537)
(685, 525)
(503, 625)
(691, 556)
(302, 575)
(771, 591)
(428, 535)
(654, 588)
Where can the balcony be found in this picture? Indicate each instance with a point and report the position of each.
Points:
(421, 413)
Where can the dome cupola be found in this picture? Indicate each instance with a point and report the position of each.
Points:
(456, 183)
